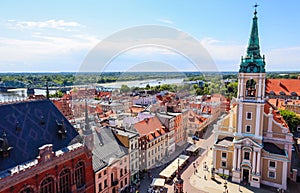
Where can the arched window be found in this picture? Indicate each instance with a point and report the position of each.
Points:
(79, 175)
(27, 190)
(65, 181)
(250, 88)
(47, 185)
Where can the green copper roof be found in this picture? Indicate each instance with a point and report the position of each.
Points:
(253, 62)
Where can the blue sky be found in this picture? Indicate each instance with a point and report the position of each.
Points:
(40, 36)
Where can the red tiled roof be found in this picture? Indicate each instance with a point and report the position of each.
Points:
(276, 114)
(104, 94)
(193, 117)
(287, 86)
(151, 127)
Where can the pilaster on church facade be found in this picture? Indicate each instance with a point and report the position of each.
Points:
(253, 142)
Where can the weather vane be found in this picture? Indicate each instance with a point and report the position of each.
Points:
(256, 5)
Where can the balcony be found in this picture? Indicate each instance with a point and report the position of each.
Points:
(115, 182)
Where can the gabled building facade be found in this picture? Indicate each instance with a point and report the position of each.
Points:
(153, 142)
(253, 142)
(129, 139)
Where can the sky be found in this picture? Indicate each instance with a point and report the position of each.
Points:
(59, 36)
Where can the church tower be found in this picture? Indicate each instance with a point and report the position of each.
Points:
(248, 136)
(253, 142)
(251, 89)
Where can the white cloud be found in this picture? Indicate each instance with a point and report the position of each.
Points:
(44, 49)
(222, 51)
(50, 24)
(149, 50)
(167, 21)
(283, 59)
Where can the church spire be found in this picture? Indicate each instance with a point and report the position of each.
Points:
(253, 45)
(253, 62)
(87, 124)
(88, 136)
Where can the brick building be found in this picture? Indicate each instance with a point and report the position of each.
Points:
(40, 151)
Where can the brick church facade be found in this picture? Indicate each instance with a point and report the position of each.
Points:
(41, 152)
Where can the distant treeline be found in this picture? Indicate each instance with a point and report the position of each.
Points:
(68, 79)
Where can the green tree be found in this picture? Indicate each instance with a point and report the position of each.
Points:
(57, 94)
(291, 118)
(232, 89)
(147, 87)
(124, 88)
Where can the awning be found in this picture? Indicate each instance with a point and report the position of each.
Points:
(158, 182)
(171, 169)
(192, 148)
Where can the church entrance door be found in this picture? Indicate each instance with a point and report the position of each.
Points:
(245, 175)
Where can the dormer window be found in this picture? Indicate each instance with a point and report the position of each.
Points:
(272, 93)
(250, 88)
(282, 93)
(18, 127)
(42, 121)
(61, 129)
(4, 146)
(294, 94)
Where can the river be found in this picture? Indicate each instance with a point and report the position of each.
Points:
(21, 94)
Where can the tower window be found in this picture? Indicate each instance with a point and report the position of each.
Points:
(248, 128)
(272, 164)
(223, 164)
(250, 88)
(224, 155)
(249, 116)
(271, 174)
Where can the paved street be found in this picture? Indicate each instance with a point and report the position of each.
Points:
(201, 181)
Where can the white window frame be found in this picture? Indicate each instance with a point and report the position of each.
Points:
(222, 155)
(247, 116)
(222, 164)
(270, 167)
(270, 176)
(246, 129)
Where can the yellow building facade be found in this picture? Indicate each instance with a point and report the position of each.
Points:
(253, 142)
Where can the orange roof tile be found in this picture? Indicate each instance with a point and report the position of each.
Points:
(276, 114)
(151, 127)
(287, 86)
